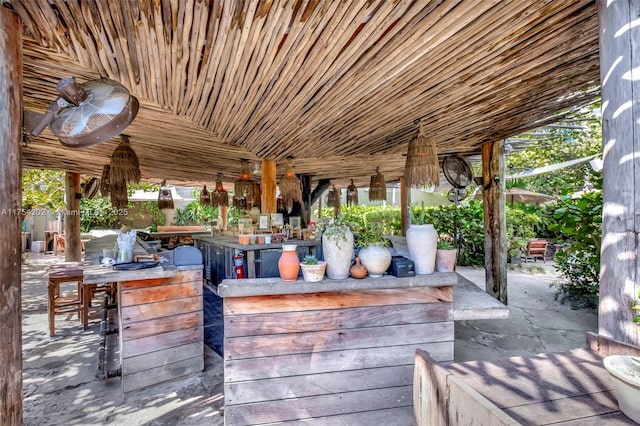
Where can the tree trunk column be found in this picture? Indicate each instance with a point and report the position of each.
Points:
(10, 218)
(620, 79)
(73, 243)
(495, 220)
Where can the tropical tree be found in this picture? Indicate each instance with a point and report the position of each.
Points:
(43, 188)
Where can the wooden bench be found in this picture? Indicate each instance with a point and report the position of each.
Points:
(536, 249)
(572, 387)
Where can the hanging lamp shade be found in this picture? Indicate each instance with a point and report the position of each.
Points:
(422, 168)
(333, 197)
(124, 163)
(205, 197)
(165, 199)
(243, 187)
(377, 187)
(104, 181)
(220, 197)
(290, 188)
(352, 194)
(118, 194)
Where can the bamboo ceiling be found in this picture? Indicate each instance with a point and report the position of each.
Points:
(338, 85)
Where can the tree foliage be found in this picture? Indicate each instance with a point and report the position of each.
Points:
(43, 188)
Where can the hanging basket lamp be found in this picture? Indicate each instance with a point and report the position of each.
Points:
(290, 188)
(422, 169)
(243, 187)
(105, 186)
(333, 197)
(165, 199)
(219, 196)
(377, 187)
(205, 197)
(124, 164)
(352, 194)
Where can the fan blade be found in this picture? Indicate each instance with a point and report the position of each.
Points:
(111, 106)
(86, 111)
(100, 91)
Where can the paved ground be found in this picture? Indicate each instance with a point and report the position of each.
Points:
(60, 387)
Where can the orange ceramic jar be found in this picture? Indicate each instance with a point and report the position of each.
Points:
(289, 264)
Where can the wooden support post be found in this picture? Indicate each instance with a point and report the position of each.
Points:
(10, 218)
(620, 80)
(224, 217)
(495, 220)
(405, 205)
(73, 243)
(268, 201)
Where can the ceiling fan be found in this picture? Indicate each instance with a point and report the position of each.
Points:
(85, 114)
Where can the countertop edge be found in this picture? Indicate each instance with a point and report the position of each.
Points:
(275, 286)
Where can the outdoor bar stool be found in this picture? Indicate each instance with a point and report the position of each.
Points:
(59, 303)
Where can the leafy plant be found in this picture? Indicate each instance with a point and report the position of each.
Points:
(371, 234)
(636, 307)
(336, 229)
(445, 242)
(419, 216)
(310, 260)
(579, 222)
(181, 217)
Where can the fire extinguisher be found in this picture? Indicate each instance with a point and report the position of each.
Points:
(238, 261)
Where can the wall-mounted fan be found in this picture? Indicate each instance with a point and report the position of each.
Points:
(85, 114)
(90, 187)
(456, 195)
(457, 171)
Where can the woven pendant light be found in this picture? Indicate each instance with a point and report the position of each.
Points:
(333, 197)
(377, 187)
(422, 168)
(205, 197)
(105, 186)
(243, 187)
(290, 188)
(352, 194)
(165, 199)
(124, 163)
(118, 194)
(220, 197)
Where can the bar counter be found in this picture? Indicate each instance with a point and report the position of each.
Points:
(160, 319)
(338, 351)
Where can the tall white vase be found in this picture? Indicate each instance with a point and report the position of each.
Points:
(422, 242)
(338, 255)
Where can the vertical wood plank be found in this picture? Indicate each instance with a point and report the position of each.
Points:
(10, 203)
(268, 200)
(73, 244)
(495, 220)
(620, 79)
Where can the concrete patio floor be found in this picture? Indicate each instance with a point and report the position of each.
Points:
(61, 388)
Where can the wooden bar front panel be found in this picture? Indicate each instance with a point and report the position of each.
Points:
(331, 356)
(161, 329)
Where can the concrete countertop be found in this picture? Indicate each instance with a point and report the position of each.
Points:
(275, 286)
(95, 273)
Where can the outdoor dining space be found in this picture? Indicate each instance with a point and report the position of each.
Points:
(282, 108)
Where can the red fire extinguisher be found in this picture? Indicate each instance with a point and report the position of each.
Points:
(238, 261)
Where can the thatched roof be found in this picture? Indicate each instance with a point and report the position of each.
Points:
(338, 85)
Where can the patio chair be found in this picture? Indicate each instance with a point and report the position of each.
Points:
(536, 249)
(60, 302)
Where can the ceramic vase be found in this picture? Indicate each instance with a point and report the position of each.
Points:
(446, 260)
(358, 270)
(289, 264)
(338, 254)
(422, 242)
(376, 258)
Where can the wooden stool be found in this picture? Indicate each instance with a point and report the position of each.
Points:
(63, 304)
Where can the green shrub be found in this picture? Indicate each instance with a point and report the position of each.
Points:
(578, 222)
